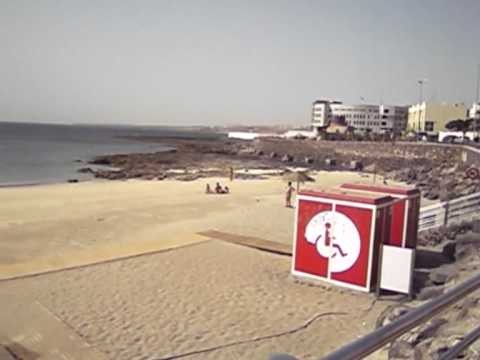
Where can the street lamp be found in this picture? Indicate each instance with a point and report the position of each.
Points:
(420, 82)
(477, 98)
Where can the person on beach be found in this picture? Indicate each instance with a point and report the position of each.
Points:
(208, 190)
(232, 174)
(218, 188)
(227, 190)
(288, 197)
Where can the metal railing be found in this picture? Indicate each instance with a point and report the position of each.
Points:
(450, 212)
(373, 341)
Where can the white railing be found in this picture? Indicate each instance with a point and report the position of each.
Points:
(450, 212)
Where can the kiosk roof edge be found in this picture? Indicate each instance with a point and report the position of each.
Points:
(388, 189)
(340, 194)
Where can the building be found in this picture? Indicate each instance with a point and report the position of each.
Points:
(474, 111)
(363, 118)
(432, 117)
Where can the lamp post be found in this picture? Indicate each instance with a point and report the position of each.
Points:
(477, 98)
(420, 82)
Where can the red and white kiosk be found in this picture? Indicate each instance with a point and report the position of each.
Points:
(338, 234)
(405, 211)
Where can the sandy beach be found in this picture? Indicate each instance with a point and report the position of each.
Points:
(193, 297)
(55, 221)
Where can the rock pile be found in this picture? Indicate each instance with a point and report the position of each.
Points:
(436, 272)
(445, 181)
(435, 337)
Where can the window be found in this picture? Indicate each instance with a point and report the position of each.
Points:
(384, 116)
(428, 125)
(386, 111)
(384, 123)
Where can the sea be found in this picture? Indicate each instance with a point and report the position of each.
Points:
(47, 153)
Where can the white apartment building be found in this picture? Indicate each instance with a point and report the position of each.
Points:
(362, 118)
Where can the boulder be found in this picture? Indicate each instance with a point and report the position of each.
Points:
(287, 158)
(148, 177)
(443, 274)
(469, 238)
(273, 155)
(430, 292)
(476, 226)
(432, 194)
(449, 250)
(402, 350)
(356, 165)
(330, 162)
(85, 170)
(428, 330)
(445, 195)
(187, 177)
(72, 180)
(308, 160)
(448, 184)
(99, 160)
(389, 315)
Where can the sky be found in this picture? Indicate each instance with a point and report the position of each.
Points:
(227, 62)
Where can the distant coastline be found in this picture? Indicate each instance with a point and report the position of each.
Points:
(34, 153)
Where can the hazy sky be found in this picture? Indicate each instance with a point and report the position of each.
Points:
(224, 62)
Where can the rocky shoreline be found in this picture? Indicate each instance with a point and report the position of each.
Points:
(437, 171)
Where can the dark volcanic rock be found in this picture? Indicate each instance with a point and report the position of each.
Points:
(85, 170)
(356, 165)
(308, 160)
(476, 226)
(101, 160)
(443, 274)
(449, 250)
(401, 349)
(330, 162)
(430, 292)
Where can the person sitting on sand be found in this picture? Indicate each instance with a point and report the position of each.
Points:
(208, 190)
(227, 190)
(218, 188)
(288, 197)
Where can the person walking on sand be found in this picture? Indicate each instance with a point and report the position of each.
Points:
(232, 173)
(288, 195)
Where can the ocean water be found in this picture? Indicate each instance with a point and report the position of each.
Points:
(41, 153)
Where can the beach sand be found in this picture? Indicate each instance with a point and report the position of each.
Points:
(206, 298)
(211, 300)
(50, 224)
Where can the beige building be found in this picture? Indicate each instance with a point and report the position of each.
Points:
(432, 117)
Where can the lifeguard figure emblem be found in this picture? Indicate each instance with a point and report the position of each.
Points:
(335, 237)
